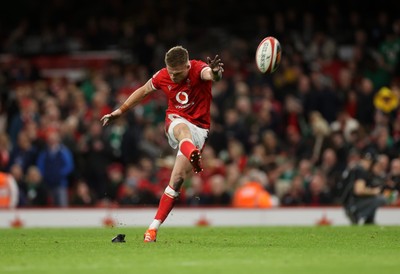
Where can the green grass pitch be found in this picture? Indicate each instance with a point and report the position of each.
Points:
(206, 250)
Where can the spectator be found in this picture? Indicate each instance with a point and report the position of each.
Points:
(115, 176)
(97, 155)
(219, 194)
(317, 192)
(330, 168)
(82, 196)
(35, 191)
(4, 151)
(24, 153)
(55, 163)
(362, 196)
(365, 106)
(27, 112)
(17, 173)
(294, 196)
(136, 190)
(8, 191)
(195, 195)
(391, 188)
(252, 194)
(344, 124)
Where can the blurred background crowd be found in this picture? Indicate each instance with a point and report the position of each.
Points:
(282, 139)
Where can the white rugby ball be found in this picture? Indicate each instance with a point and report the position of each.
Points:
(268, 55)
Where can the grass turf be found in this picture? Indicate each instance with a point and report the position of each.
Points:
(369, 249)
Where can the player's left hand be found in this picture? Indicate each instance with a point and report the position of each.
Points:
(215, 64)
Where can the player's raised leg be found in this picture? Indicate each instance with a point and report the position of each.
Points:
(187, 147)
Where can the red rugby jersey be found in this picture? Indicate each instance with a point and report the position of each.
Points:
(190, 99)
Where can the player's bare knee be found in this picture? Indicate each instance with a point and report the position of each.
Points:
(182, 131)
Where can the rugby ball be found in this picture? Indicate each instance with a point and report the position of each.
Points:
(268, 55)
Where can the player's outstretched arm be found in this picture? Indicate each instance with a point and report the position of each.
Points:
(135, 98)
(214, 73)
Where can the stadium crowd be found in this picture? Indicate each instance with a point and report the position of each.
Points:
(285, 137)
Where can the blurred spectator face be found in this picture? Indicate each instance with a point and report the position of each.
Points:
(354, 136)
(304, 84)
(382, 137)
(147, 166)
(96, 128)
(360, 37)
(82, 189)
(99, 99)
(345, 77)
(50, 103)
(80, 105)
(241, 89)
(293, 135)
(231, 117)
(53, 114)
(17, 172)
(353, 158)
(329, 157)
(69, 126)
(395, 167)
(317, 184)
(28, 107)
(256, 175)
(217, 183)
(297, 183)
(33, 175)
(23, 140)
(196, 186)
(258, 153)
(208, 152)
(305, 167)
(367, 86)
(366, 163)
(53, 138)
(264, 116)
(243, 105)
(133, 175)
(384, 161)
(31, 129)
(4, 141)
(62, 96)
(269, 140)
(232, 175)
(293, 105)
(337, 139)
(149, 133)
(378, 169)
(115, 172)
(235, 149)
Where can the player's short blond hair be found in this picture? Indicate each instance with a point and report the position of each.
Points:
(176, 56)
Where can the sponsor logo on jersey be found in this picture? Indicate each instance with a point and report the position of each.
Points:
(182, 97)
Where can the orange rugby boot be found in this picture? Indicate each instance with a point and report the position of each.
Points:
(150, 235)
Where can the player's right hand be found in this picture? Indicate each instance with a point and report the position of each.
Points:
(108, 118)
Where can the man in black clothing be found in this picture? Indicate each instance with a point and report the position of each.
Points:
(362, 194)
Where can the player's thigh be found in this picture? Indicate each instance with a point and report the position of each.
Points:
(182, 131)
